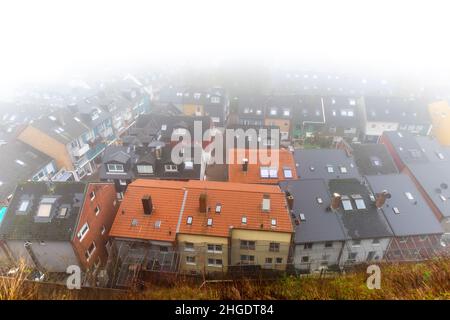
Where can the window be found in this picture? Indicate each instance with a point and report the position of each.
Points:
(343, 169)
(115, 167)
(189, 220)
(83, 231)
(97, 210)
(122, 182)
(376, 242)
(346, 203)
(305, 259)
(209, 222)
(273, 222)
(20, 162)
(244, 220)
(215, 99)
(268, 260)
(190, 260)
(302, 217)
(163, 249)
(396, 210)
(188, 165)
(286, 112)
(274, 247)
(376, 162)
(90, 251)
(214, 262)
(247, 259)
(188, 246)
(24, 205)
(44, 210)
(409, 196)
(287, 173)
(308, 246)
(269, 172)
(360, 204)
(170, 168)
(103, 230)
(402, 239)
(273, 111)
(92, 195)
(214, 248)
(157, 224)
(356, 243)
(63, 212)
(218, 208)
(279, 260)
(145, 169)
(352, 255)
(329, 244)
(330, 169)
(248, 245)
(264, 172)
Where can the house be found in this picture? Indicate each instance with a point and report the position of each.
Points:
(373, 159)
(309, 116)
(367, 230)
(394, 114)
(73, 139)
(20, 162)
(279, 112)
(403, 148)
(416, 230)
(343, 116)
(432, 180)
(251, 109)
(439, 112)
(52, 225)
(319, 238)
(325, 164)
(432, 149)
(260, 166)
(124, 164)
(198, 227)
(217, 106)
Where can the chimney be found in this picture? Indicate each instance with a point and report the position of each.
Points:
(245, 165)
(381, 199)
(335, 201)
(202, 202)
(158, 152)
(290, 200)
(266, 203)
(147, 204)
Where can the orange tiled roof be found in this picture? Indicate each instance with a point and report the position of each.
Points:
(253, 174)
(237, 200)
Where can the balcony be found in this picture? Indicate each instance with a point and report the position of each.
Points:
(80, 151)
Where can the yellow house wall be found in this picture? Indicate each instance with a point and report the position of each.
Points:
(262, 243)
(191, 109)
(51, 147)
(201, 253)
(284, 124)
(440, 117)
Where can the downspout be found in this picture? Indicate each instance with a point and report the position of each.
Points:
(33, 256)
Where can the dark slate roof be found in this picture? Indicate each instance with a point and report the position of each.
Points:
(320, 224)
(252, 106)
(337, 108)
(281, 103)
(373, 159)
(367, 223)
(406, 146)
(12, 171)
(309, 108)
(27, 226)
(118, 154)
(433, 150)
(415, 217)
(396, 109)
(65, 119)
(313, 163)
(435, 180)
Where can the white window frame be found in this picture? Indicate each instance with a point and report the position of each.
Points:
(83, 231)
(148, 169)
(170, 168)
(115, 166)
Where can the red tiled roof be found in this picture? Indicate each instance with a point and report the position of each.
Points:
(236, 200)
(253, 174)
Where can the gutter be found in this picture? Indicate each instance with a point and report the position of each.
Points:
(180, 216)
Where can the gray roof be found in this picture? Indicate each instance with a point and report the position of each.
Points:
(373, 159)
(29, 162)
(433, 150)
(406, 146)
(435, 180)
(313, 164)
(27, 226)
(320, 224)
(334, 107)
(368, 223)
(415, 217)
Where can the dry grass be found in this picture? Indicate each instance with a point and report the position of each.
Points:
(427, 280)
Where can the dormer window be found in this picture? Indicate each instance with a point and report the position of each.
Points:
(170, 168)
(144, 169)
(115, 168)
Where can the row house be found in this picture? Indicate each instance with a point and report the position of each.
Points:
(197, 227)
(309, 116)
(20, 162)
(417, 232)
(440, 117)
(53, 225)
(392, 114)
(74, 139)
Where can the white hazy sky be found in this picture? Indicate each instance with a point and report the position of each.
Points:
(41, 40)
